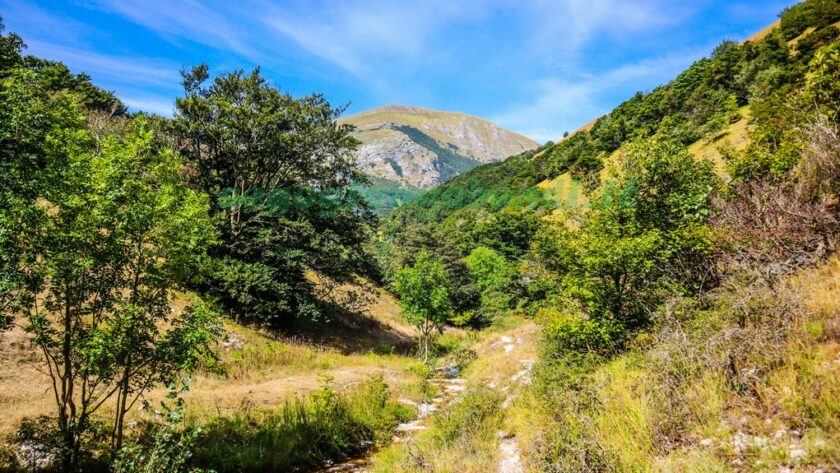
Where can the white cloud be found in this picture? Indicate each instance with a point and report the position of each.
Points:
(567, 25)
(138, 71)
(561, 105)
(384, 42)
(189, 19)
(353, 34)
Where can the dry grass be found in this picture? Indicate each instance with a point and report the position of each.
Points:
(763, 33)
(25, 389)
(255, 367)
(707, 393)
(564, 190)
(735, 136)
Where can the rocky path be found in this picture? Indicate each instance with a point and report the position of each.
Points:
(451, 386)
(504, 363)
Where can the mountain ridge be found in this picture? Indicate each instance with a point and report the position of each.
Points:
(419, 148)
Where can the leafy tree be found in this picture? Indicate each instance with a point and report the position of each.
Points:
(424, 291)
(117, 229)
(55, 76)
(644, 237)
(278, 171)
(10, 48)
(495, 279)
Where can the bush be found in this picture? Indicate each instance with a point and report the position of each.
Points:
(167, 448)
(462, 437)
(578, 332)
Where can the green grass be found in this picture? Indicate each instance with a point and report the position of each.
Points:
(462, 438)
(301, 432)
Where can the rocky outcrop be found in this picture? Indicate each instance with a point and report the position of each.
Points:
(421, 148)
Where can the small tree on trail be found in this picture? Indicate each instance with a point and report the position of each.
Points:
(424, 297)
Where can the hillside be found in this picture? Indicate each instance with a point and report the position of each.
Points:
(708, 108)
(409, 149)
(655, 292)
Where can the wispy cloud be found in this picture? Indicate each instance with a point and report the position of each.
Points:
(567, 25)
(157, 105)
(139, 71)
(353, 34)
(539, 67)
(561, 105)
(186, 19)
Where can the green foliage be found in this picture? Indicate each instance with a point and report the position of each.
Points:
(698, 104)
(54, 76)
(823, 87)
(812, 13)
(489, 269)
(644, 237)
(578, 333)
(496, 280)
(278, 171)
(424, 291)
(383, 195)
(98, 231)
(168, 446)
(302, 432)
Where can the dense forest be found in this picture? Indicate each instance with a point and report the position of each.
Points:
(674, 296)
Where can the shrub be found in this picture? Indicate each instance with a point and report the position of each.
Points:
(578, 332)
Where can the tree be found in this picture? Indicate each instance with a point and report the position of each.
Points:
(495, 279)
(117, 230)
(424, 290)
(278, 171)
(645, 236)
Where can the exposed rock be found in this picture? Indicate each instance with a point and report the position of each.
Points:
(421, 148)
(510, 459)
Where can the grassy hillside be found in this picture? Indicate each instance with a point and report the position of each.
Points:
(384, 195)
(679, 256)
(257, 375)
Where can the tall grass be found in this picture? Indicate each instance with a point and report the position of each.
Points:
(462, 438)
(744, 379)
(302, 432)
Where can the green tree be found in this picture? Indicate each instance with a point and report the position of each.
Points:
(495, 279)
(278, 171)
(644, 237)
(424, 290)
(117, 230)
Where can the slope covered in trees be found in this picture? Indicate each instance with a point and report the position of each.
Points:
(757, 86)
(686, 308)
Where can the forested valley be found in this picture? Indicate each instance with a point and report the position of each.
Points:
(657, 291)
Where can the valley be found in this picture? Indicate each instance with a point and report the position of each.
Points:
(413, 149)
(260, 283)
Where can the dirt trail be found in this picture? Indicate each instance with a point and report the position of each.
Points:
(510, 461)
(504, 362)
(511, 357)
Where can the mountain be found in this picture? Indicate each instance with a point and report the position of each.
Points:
(710, 108)
(420, 148)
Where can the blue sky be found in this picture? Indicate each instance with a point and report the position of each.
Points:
(539, 67)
